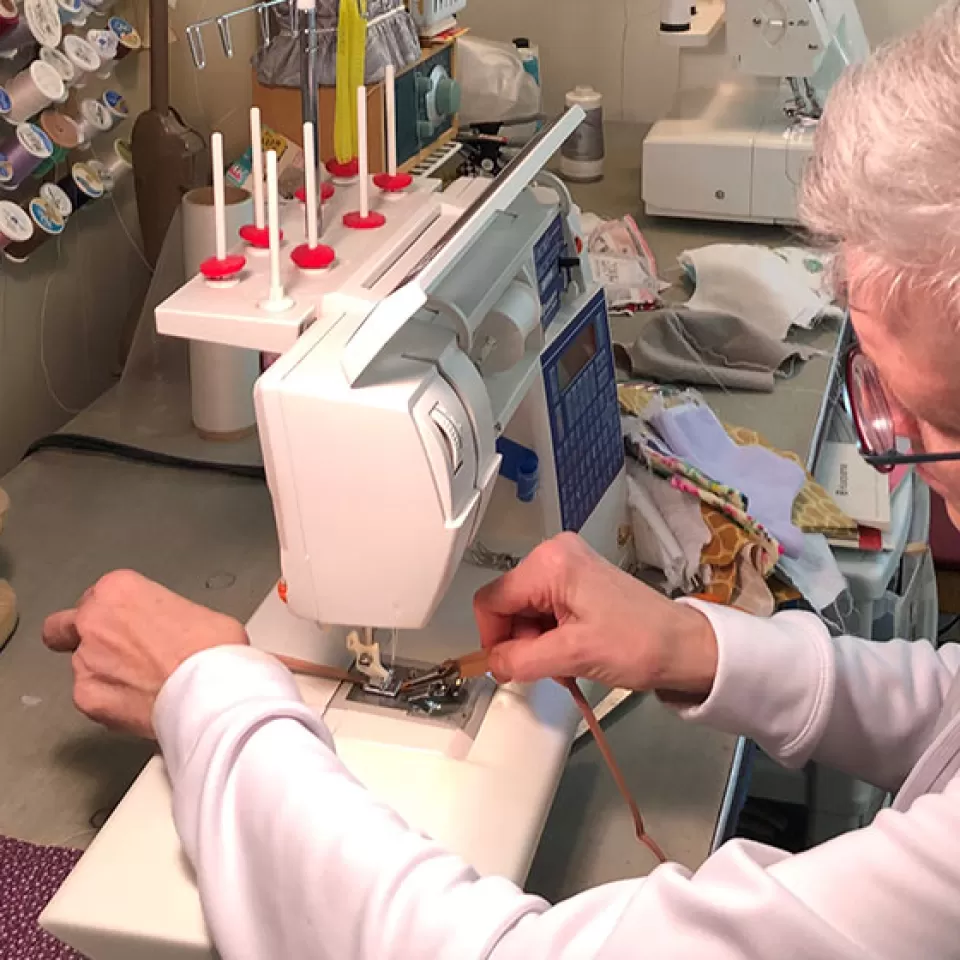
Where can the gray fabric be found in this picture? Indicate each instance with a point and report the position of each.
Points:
(688, 346)
(391, 38)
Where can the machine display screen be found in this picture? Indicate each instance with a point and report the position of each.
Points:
(576, 356)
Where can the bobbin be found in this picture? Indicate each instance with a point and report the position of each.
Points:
(83, 56)
(81, 185)
(33, 90)
(21, 154)
(47, 223)
(128, 40)
(15, 224)
(61, 63)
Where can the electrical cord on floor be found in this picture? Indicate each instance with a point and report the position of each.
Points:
(81, 443)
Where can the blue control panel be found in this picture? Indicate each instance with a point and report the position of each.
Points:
(547, 252)
(581, 390)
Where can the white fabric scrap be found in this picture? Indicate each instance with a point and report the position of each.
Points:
(770, 292)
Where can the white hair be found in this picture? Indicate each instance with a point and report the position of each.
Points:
(884, 182)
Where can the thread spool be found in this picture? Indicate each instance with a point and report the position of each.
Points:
(58, 198)
(58, 156)
(83, 56)
(92, 119)
(40, 23)
(115, 166)
(61, 129)
(15, 224)
(82, 185)
(33, 90)
(116, 105)
(61, 63)
(581, 156)
(47, 223)
(9, 16)
(72, 12)
(21, 154)
(128, 40)
(675, 16)
(105, 43)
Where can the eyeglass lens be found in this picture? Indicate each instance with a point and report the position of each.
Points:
(871, 407)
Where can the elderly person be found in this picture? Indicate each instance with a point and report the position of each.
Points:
(268, 814)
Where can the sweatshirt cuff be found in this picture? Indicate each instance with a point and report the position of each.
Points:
(211, 683)
(775, 679)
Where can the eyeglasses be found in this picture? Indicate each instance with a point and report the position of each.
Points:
(872, 417)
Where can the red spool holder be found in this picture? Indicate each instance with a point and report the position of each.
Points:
(258, 237)
(312, 258)
(393, 184)
(371, 221)
(326, 192)
(226, 269)
(344, 171)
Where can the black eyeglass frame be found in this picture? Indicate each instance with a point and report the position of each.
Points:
(886, 460)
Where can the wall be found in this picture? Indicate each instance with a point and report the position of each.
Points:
(612, 45)
(64, 313)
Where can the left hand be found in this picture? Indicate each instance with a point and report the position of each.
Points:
(128, 635)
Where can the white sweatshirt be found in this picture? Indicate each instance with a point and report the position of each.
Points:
(268, 815)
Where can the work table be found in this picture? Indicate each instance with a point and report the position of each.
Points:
(211, 537)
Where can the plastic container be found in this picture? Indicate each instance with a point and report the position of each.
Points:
(581, 157)
(676, 15)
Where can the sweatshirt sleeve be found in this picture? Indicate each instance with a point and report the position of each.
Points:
(866, 708)
(295, 859)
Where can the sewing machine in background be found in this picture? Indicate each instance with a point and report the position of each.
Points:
(444, 400)
(753, 77)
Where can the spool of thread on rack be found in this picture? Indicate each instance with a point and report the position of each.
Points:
(61, 63)
(83, 56)
(39, 23)
(115, 166)
(22, 153)
(106, 44)
(128, 40)
(61, 129)
(82, 185)
(116, 105)
(58, 156)
(47, 223)
(92, 118)
(9, 16)
(33, 90)
(15, 225)
(55, 195)
(73, 13)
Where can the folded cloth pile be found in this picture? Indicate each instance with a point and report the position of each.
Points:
(733, 331)
(750, 500)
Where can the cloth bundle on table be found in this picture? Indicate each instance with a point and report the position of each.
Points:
(29, 877)
(750, 497)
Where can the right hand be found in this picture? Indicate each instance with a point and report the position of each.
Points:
(566, 612)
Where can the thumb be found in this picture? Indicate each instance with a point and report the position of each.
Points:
(60, 631)
(556, 653)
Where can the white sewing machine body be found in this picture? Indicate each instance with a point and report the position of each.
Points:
(406, 374)
(735, 144)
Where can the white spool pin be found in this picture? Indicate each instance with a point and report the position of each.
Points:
(256, 153)
(391, 183)
(277, 301)
(363, 171)
(33, 90)
(219, 200)
(311, 255)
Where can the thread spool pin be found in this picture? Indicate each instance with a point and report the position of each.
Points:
(311, 255)
(256, 233)
(391, 181)
(364, 218)
(277, 301)
(220, 269)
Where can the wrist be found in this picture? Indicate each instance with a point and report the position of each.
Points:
(690, 657)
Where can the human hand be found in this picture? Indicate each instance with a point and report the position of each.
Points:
(566, 612)
(127, 636)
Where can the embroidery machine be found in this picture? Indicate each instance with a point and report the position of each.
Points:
(753, 77)
(444, 399)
